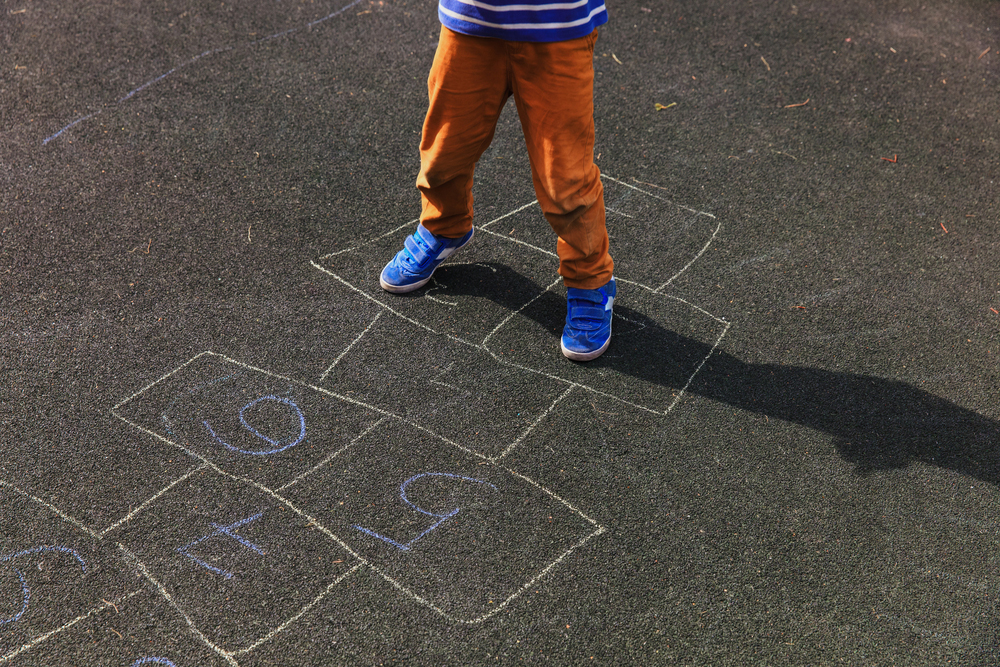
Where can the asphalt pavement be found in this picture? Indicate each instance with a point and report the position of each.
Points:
(221, 443)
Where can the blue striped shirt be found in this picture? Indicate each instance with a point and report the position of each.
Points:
(523, 20)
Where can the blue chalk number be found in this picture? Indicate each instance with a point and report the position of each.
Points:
(441, 518)
(275, 445)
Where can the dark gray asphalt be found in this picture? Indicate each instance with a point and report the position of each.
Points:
(222, 444)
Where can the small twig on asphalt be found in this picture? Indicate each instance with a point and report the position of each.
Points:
(765, 63)
(984, 53)
(944, 228)
(652, 185)
(800, 104)
(893, 159)
(146, 251)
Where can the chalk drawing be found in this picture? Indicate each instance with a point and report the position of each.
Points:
(592, 382)
(226, 655)
(25, 590)
(441, 517)
(228, 531)
(105, 604)
(317, 524)
(153, 661)
(26, 595)
(348, 348)
(276, 446)
(191, 61)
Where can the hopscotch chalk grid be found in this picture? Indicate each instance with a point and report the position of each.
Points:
(293, 487)
(312, 479)
(502, 300)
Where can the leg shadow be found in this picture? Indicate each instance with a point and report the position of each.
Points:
(877, 424)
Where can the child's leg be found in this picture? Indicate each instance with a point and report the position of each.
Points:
(468, 86)
(553, 85)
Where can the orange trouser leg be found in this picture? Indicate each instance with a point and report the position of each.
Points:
(552, 84)
(553, 87)
(468, 87)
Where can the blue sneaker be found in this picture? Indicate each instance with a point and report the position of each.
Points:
(588, 322)
(412, 266)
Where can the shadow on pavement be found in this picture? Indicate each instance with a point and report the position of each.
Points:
(877, 424)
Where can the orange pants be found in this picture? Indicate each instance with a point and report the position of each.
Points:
(553, 88)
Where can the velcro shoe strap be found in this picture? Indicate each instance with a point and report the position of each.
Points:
(587, 318)
(418, 250)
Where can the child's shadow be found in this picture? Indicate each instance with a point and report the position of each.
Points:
(876, 423)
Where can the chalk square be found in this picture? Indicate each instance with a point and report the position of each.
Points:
(51, 573)
(455, 390)
(237, 561)
(458, 533)
(658, 343)
(653, 240)
(142, 630)
(248, 421)
(469, 295)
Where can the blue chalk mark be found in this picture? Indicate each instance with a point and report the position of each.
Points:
(75, 122)
(210, 52)
(275, 444)
(165, 75)
(46, 549)
(228, 532)
(330, 16)
(26, 592)
(441, 517)
(154, 661)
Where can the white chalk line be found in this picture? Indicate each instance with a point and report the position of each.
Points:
(511, 316)
(389, 308)
(150, 500)
(527, 586)
(41, 638)
(520, 242)
(370, 241)
(297, 616)
(513, 364)
(348, 348)
(129, 556)
(507, 215)
(76, 523)
(532, 426)
(196, 58)
(326, 531)
(697, 370)
(434, 380)
(156, 382)
(654, 196)
(346, 399)
(694, 259)
(556, 497)
(334, 455)
(608, 209)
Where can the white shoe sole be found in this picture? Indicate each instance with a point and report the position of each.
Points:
(584, 356)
